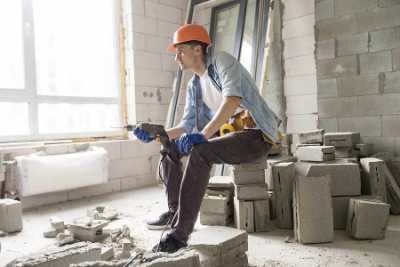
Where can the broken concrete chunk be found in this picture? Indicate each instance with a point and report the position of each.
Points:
(102, 213)
(50, 233)
(311, 194)
(107, 253)
(249, 177)
(312, 137)
(373, 178)
(342, 139)
(57, 224)
(345, 177)
(2, 234)
(60, 257)
(262, 222)
(251, 191)
(64, 238)
(244, 215)
(89, 231)
(10, 215)
(315, 153)
(367, 219)
(178, 259)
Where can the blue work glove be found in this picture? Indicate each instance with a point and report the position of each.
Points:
(143, 135)
(186, 142)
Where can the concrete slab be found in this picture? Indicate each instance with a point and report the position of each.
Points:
(312, 137)
(367, 219)
(10, 215)
(60, 257)
(315, 153)
(345, 177)
(251, 191)
(249, 177)
(342, 139)
(262, 221)
(244, 215)
(283, 178)
(312, 194)
(373, 177)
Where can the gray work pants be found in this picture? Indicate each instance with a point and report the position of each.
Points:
(185, 190)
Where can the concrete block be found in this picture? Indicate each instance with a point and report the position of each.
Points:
(392, 82)
(57, 224)
(223, 182)
(143, 24)
(390, 126)
(255, 165)
(300, 85)
(326, 49)
(339, 107)
(215, 219)
(294, 9)
(311, 194)
(295, 104)
(338, 67)
(107, 253)
(65, 238)
(366, 126)
(373, 177)
(358, 85)
(88, 230)
(343, 7)
(60, 257)
(269, 173)
(163, 12)
(364, 150)
(367, 219)
(312, 137)
(298, 27)
(262, 222)
(300, 66)
(283, 177)
(251, 191)
(330, 125)
(248, 177)
(10, 215)
(50, 233)
(324, 10)
(388, 3)
(301, 123)
(244, 215)
(376, 62)
(342, 139)
(327, 88)
(384, 39)
(340, 207)
(344, 177)
(396, 58)
(393, 189)
(352, 44)
(272, 204)
(187, 259)
(315, 153)
(299, 46)
(345, 152)
(216, 204)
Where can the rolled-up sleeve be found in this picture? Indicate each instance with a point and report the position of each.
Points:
(229, 72)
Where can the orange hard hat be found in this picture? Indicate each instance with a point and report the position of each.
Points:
(189, 32)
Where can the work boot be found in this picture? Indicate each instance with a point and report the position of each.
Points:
(164, 221)
(168, 244)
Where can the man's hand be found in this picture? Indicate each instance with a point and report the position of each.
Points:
(186, 142)
(143, 135)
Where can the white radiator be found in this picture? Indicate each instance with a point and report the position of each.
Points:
(44, 173)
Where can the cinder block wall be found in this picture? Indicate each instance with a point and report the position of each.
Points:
(358, 69)
(300, 82)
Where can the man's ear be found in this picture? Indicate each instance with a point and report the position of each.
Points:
(198, 49)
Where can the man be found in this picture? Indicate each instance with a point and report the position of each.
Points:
(220, 88)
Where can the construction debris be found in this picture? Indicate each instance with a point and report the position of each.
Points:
(311, 194)
(64, 238)
(10, 215)
(86, 229)
(103, 213)
(367, 218)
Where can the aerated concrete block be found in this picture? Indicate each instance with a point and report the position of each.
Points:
(251, 191)
(249, 177)
(315, 153)
(364, 150)
(283, 177)
(244, 215)
(312, 209)
(223, 182)
(60, 257)
(345, 152)
(345, 177)
(340, 207)
(367, 219)
(92, 231)
(373, 178)
(255, 165)
(215, 219)
(216, 204)
(187, 259)
(393, 191)
(262, 222)
(10, 215)
(269, 171)
(342, 139)
(312, 137)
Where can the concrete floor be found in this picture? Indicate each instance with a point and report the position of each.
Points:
(265, 249)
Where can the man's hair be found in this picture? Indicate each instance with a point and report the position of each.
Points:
(195, 43)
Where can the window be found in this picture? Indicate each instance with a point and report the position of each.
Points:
(59, 69)
(238, 27)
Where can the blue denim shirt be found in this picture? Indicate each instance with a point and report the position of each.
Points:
(232, 79)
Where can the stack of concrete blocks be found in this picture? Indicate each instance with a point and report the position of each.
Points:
(10, 215)
(220, 246)
(60, 257)
(312, 210)
(367, 218)
(345, 182)
(283, 177)
(345, 143)
(373, 177)
(251, 202)
(217, 205)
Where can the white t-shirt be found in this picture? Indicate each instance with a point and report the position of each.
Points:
(212, 97)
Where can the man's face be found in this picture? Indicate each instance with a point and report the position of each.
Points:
(187, 56)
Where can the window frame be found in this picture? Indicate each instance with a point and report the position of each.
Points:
(30, 96)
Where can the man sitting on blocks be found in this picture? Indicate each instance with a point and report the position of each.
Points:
(220, 89)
